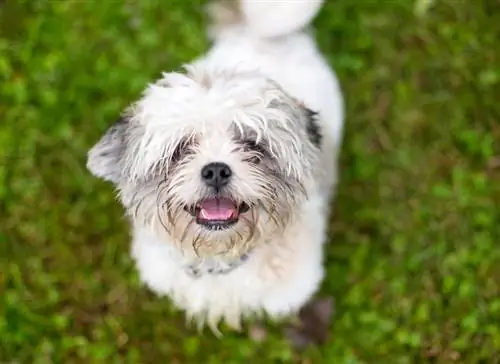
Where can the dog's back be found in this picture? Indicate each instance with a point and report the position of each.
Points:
(265, 19)
(274, 38)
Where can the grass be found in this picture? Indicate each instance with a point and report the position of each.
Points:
(413, 262)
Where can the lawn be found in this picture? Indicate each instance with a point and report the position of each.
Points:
(413, 261)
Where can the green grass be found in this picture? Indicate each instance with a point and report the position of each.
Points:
(414, 261)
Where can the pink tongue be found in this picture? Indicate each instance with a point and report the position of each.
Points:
(217, 209)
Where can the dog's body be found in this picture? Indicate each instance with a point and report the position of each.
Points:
(275, 266)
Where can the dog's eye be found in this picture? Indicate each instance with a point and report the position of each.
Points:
(252, 145)
(180, 151)
(256, 150)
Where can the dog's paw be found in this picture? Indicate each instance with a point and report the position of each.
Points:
(313, 324)
(257, 332)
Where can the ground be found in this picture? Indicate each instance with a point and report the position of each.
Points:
(413, 259)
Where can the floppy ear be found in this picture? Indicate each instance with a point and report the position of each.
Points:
(313, 128)
(104, 160)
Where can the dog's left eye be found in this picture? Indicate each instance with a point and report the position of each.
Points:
(257, 150)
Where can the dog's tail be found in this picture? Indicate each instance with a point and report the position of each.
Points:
(262, 18)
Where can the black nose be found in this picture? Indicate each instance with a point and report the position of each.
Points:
(216, 174)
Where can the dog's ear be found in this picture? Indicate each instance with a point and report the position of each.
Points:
(313, 129)
(312, 126)
(104, 160)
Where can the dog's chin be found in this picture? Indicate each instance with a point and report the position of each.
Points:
(217, 213)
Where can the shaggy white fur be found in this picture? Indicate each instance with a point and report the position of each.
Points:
(261, 74)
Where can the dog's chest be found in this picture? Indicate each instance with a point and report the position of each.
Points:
(214, 267)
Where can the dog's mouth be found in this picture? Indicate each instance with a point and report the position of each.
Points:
(217, 213)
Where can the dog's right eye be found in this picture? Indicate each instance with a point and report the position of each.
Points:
(180, 151)
(177, 154)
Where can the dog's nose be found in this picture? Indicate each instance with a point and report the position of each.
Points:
(216, 174)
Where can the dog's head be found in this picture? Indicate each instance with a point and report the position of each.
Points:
(214, 161)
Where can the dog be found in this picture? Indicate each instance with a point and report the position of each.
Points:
(226, 169)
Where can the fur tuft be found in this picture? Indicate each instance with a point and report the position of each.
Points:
(264, 19)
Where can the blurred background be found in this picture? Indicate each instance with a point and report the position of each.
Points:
(413, 261)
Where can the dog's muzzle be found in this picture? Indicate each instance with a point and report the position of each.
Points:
(217, 213)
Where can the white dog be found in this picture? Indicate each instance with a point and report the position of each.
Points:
(226, 170)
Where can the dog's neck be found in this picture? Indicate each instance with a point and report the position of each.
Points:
(215, 267)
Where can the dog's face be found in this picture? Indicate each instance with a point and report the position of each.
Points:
(215, 162)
